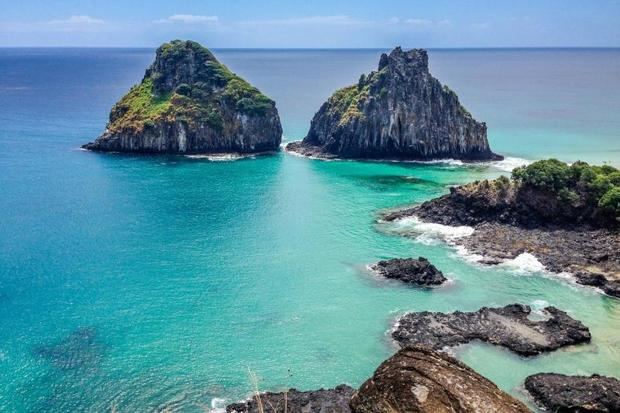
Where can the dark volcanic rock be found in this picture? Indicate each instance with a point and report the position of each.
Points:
(320, 401)
(188, 102)
(510, 220)
(411, 271)
(420, 380)
(507, 326)
(575, 394)
(399, 111)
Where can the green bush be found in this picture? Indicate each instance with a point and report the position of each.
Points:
(611, 201)
(549, 174)
(183, 89)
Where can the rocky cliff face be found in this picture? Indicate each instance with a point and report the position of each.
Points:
(399, 111)
(420, 380)
(188, 102)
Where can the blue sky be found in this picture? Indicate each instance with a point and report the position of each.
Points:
(312, 23)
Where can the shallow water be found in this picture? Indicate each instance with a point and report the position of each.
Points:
(152, 283)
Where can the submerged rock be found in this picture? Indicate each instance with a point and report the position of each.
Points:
(189, 103)
(575, 394)
(399, 111)
(78, 350)
(507, 326)
(320, 401)
(420, 380)
(411, 271)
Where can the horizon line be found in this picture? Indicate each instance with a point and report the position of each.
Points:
(325, 48)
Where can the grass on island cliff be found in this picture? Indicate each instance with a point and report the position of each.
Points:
(215, 91)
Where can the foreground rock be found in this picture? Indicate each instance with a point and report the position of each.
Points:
(566, 216)
(320, 401)
(189, 103)
(575, 394)
(507, 326)
(419, 380)
(399, 111)
(411, 271)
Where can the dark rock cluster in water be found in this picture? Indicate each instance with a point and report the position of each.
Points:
(188, 102)
(399, 111)
(508, 326)
(411, 271)
(320, 401)
(575, 394)
(80, 349)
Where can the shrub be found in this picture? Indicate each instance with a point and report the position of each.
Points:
(611, 201)
(183, 89)
(549, 174)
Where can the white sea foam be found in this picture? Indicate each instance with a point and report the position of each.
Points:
(524, 263)
(218, 405)
(223, 157)
(430, 231)
(462, 252)
(509, 163)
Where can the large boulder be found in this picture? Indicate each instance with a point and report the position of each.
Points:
(420, 380)
(399, 111)
(190, 103)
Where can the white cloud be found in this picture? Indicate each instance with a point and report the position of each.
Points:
(188, 18)
(338, 20)
(78, 19)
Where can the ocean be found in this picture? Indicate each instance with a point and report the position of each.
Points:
(158, 283)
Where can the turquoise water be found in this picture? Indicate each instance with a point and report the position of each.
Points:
(186, 273)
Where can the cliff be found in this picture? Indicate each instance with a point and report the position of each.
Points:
(188, 102)
(399, 111)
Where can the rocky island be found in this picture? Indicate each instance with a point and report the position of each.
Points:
(400, 111)
(189, 103)
(410, 271)
(508, 326)
(567, 216)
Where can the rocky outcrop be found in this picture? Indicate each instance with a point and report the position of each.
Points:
(575, 394)
(399, 111)
(420, 380)
(563, 215)
(507, 326)
(190, 103)
(411, 271)
(320, 401)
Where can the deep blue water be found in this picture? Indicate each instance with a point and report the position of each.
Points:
(149, 283)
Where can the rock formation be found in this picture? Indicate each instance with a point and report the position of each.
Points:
(320, 401)
(399, 111)
(575, 394)
(567, 216)
(420, 380)
(188, 102)
(507, 326)
(411, 271)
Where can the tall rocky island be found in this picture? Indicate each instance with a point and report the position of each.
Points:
(188, 102)
(399, 111)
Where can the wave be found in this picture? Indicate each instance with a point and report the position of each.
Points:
(509, 163)
(218, 405)
(430, 232)
(524, 263)
(223, 157)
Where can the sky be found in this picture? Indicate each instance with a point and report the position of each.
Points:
(311, 23)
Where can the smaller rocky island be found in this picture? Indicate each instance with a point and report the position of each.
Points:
(567, 216)
(575, 394)
(410, 271)
(190, 103)
(508, 326)
(400, 111)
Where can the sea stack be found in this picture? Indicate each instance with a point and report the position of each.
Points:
(189, 103)
(398, 112)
